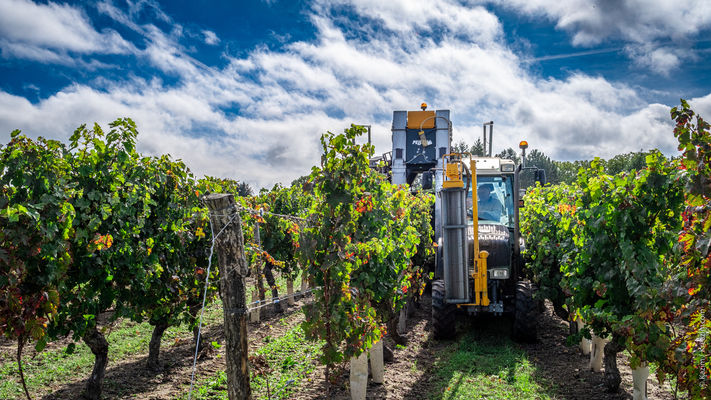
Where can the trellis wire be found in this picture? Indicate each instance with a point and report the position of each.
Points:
(275, 300)
(262, 212)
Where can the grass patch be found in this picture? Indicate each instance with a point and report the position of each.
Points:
(486, 365)
(55, 365)
(290, 358)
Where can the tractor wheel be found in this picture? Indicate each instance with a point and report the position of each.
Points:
(443, 314)
(526, 314)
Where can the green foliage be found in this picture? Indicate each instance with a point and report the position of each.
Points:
(357, 248)
(174, 248)
(98, 226)
(221, 185)
(36, 218)
(548, 222)
(625, 238)
(605, 246)
(102, 227)
(691, 360)
(567, 171)
(113, 201)
(279, 237)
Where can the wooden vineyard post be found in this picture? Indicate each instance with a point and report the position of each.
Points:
(258, 267)
(290, 292)
(254, 315)
(233, 268)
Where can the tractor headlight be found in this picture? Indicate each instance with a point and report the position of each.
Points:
(499, 273)
(507, 167)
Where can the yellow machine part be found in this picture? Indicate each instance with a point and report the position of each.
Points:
(415, 119)
(481, 292)
(453, 175)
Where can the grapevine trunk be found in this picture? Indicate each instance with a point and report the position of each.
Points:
(100, 348)
(612, 373)
(153, 362)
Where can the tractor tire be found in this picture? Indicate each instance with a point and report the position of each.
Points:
(525, 324)
(443, 314)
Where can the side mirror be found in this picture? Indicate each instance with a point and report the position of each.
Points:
(540, 176)
(427, 180)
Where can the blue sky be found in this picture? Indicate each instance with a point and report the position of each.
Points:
(244, 89)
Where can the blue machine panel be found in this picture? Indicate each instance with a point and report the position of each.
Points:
(415, 154)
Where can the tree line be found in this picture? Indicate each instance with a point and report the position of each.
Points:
(559, 171)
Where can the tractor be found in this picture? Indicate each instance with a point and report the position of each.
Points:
(478, 266)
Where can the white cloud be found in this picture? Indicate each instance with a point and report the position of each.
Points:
(259, 118)
(408, 16)
(210, 37)
(659, 59)
(48, 33)
(591, 22)
(702, 106)
(642, 23)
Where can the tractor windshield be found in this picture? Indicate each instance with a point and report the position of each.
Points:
(495, 200)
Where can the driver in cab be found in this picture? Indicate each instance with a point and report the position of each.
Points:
(490, 208)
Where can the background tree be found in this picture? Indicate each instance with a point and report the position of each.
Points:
(243, 189)
(509, 154)
(476, 149)
(567, 171)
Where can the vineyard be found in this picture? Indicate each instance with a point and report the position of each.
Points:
(628, 256)
(96, 237)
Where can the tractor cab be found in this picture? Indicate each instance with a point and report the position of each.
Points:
(495, 192)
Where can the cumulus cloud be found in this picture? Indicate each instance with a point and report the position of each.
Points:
(49, 32)
(210, 37)
(409, 16)
(640, 22)
(659, 59)
(259, 117)
(591, 22)
(702, 106)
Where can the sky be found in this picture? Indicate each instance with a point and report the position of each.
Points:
(244, 89)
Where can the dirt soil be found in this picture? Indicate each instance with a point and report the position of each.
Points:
(564, 368)
(409, 376)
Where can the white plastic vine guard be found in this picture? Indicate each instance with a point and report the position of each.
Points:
(290, 292)
(377, 367)
(359, 376)
(639, 381)
(596, 353)
(402, 321)
(584, 342)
